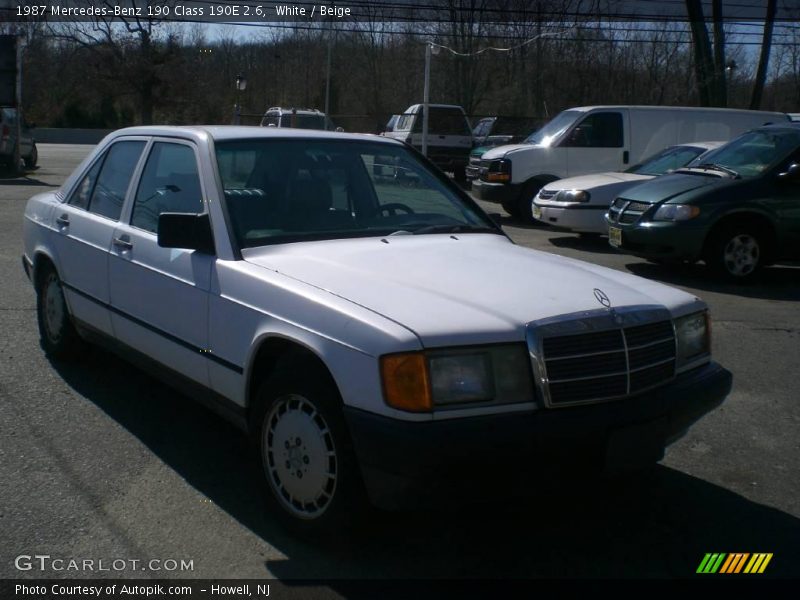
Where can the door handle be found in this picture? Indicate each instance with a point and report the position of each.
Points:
(63, 220)
(123, 243)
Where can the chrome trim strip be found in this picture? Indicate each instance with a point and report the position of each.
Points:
(604, 376)
(655, 364)
(587, 354)
(651, 343)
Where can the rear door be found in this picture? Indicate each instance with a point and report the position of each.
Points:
(159, 296)
(85, 224)
(597, 143)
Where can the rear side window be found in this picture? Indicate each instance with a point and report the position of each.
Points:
(170, 183)
(444, 121)
(598, 130)
(102, 190)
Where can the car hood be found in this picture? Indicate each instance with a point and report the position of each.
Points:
(501, 151)
(587, 182)
(459, 289)
(669, 186)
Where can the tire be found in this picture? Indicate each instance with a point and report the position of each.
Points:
(309, 468)
(32, 158)
(57, 334)
(525, 202)
(510, 207)
(736, 253)
(460, 175)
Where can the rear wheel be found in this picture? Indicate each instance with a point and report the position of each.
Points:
(736, 252)
(32, 158)
(58, 336)
(307, 460)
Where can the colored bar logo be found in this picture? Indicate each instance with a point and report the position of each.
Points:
(736, 562)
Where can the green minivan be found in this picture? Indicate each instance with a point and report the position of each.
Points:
(738, 210)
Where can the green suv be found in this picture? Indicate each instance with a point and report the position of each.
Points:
(738, 211)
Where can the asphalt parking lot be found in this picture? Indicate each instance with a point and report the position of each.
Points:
(99, 461)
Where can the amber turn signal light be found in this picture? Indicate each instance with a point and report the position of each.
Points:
(406, 385)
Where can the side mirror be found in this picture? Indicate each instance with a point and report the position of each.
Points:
(340, 129)
(185, 230)
(792, 172)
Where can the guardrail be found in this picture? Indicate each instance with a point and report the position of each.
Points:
(58, 135)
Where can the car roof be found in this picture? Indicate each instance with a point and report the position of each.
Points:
(239, 132)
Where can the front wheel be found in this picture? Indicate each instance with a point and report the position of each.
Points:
(307, 460)
(525, 202)
(736, 253)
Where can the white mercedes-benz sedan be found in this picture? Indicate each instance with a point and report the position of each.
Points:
(378, 335)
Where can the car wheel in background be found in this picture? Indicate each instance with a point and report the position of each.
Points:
(58, 336)
(309, 467)
(525, 202)
(32, 158)
(736, 252)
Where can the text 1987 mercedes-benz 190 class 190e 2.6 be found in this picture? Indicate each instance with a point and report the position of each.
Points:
(374, 336)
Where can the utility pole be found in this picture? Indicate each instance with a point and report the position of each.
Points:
(328, 72)
(426, 97)
(17, 157)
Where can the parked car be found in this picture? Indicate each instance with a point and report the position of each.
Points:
(579, 204)
(738, 209)
(299, 118)
(8, 140)
(391, 123)
(369, 336)
(491, 132)
(597, 139)
(449, 135)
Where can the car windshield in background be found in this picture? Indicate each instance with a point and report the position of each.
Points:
(303, 121)
(667, 160)
(752, 153)
(295, 190)
(550, 132)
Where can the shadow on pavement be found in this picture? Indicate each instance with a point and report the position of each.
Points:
(8, 177)
(659, 525)
(598, 244)
(778, 282)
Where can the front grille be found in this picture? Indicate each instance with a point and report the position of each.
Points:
(547, 194)
(475, 161)
(603, 365)
(627, 211)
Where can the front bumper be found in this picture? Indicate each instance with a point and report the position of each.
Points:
(583, 218)
(405, 463)
(503, 193)
(662, 239)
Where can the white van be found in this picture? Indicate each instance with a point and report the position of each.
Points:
(594, 139)
(449, 135)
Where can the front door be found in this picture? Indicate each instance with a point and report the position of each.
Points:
(597, 144)
(159, 296)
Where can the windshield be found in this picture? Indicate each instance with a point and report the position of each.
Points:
(550, 132)
(667, 160)
(754, 152)
(295, 190)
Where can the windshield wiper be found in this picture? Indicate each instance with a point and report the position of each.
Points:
(455, 229)
(718, 167)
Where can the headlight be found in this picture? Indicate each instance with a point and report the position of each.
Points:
(499, 171)
(572, 196)
(676, 212)
(420, 381)
(694, 337)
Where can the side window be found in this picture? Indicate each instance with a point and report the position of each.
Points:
(114, 178)
(598, 130)
(81, 194)
(170, 183)
(102, 190)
